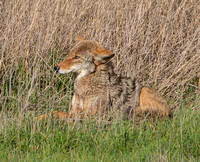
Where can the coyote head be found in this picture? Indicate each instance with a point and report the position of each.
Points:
(84, 58)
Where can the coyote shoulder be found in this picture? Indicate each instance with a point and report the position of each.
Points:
(100, 92)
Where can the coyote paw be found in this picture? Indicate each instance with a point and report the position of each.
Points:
(41, 117)
(54, 115)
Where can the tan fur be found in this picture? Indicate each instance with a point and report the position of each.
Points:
(199, 82)
(100, 92)
(151, 101)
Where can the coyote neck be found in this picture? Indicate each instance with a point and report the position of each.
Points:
(96, 82)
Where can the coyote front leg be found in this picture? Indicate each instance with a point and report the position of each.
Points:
(62, 115)
(75, 114)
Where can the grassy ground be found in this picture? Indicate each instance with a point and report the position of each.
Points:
(173, 139)
(21, 138)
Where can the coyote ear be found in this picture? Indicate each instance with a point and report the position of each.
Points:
(79, 38)
(102, 55)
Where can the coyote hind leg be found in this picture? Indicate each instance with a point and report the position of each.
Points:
(151, 102)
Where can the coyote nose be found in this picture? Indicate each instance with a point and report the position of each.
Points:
(56, 68)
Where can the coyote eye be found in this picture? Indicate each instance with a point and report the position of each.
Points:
(76, 57)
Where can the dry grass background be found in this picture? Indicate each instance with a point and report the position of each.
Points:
(155, 41)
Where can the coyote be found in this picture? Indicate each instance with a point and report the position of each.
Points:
(100, 92)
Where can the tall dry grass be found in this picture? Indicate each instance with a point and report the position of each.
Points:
(155, 41)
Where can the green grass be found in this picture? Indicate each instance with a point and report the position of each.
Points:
(172, 139)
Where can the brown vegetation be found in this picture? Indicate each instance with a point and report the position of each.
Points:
(156, 42)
